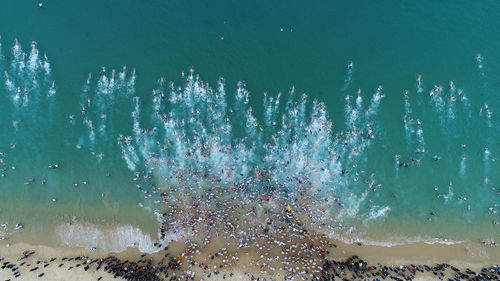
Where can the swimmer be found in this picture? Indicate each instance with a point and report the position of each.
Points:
(30, 181)
(102, 74)
(486, 107)
(419, 80)
(350, 65)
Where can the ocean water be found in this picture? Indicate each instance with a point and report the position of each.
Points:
(129, 103)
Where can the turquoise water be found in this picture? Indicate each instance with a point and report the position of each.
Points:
(272, 47)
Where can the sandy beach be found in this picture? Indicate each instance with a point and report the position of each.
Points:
(214, 262)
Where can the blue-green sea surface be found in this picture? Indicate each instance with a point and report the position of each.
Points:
(398, 132)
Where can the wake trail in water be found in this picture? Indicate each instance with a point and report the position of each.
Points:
(197, 138)
(408, 119)
(183, 142)
(348, 79)
(31, 91)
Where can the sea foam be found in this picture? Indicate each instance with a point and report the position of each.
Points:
(105, 239)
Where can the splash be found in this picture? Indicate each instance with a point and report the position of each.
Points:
(101, 239)
(30, 90)
(196, 140)
(191, 146)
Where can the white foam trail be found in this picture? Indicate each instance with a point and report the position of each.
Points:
(348, 111)
(479, 61)
(91, 135)
(33, 62)
(462, 97)
(451, 102)
(489, 114)
(52, 90)
(25, 83)
(463, 166)
(17, 54)
(420, 88)
(271, 105)
(131, 85)
(407, 118)
(448, 196)
(197, 138)
(139, 135)
(128, 153)
(130, 163)
(46, 65)
(436, 99)
(420, 139)
(353, 113)
(348, 79)
(375, 103)
(9, 84)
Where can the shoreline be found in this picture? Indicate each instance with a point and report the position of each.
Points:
(187, 263)
(231, 234)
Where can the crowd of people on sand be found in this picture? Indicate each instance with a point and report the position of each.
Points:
(167, 267)
(141, 269)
